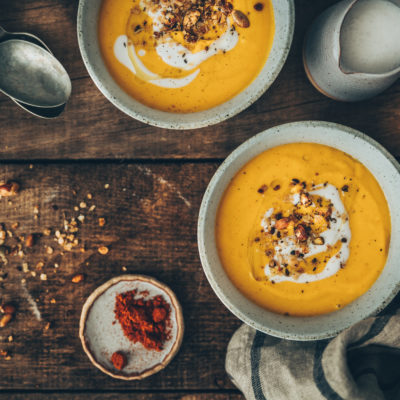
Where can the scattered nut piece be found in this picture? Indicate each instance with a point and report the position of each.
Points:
(10, 338)
(47, 326)
(78, 278)
(53, 301)
(240, 19)
(29, 241)
(76, 208)
(5, 320)
(102, 221)
(49, 250)
(103, 250)
(82, 204)
(81, 218)
(9, 189)
(124, 269)
(40, 265)
(36, 210)
(8, 309)
(92, 207)
(89, 196)
(25, 267)
(106, 186)
(5, 354)
(43, 277)
(15, 225)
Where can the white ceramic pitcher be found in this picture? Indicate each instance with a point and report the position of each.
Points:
(338, 33)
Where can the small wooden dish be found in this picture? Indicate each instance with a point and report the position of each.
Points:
(101, 335)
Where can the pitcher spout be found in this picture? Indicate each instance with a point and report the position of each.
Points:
(369, 39)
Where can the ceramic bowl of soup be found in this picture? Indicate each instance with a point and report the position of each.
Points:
(184, 64)
(299, 230)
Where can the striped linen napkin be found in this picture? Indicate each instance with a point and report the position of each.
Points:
(361, 363)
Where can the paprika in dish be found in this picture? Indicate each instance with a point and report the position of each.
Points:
(119, 360)
(144, 320)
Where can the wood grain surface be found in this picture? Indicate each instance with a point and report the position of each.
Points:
(150, 207)
(151, 212)
(91, 127)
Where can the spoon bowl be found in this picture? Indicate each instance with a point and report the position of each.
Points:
(32, 75)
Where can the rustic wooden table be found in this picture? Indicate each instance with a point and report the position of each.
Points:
(147, 183)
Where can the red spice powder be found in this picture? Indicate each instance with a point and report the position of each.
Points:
(119, 360)
(144, 321)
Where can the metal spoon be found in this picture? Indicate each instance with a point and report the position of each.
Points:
(43, 112)
(32, 75)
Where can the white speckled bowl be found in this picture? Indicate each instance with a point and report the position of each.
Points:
(90, 51)
(387, 172)
(101, 335)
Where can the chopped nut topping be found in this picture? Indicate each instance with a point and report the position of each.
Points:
(301, 233)
(319, 241)
(102, 221)
(240, 19)
(300, 226)
(193, 18)
(282, 223)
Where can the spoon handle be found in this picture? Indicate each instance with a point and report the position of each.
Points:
(2, 32)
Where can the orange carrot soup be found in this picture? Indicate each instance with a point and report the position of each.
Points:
(303, 229)
(185, 55)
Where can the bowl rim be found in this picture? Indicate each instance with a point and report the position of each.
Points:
(182, 120)
(102, 289)
(204, 208)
